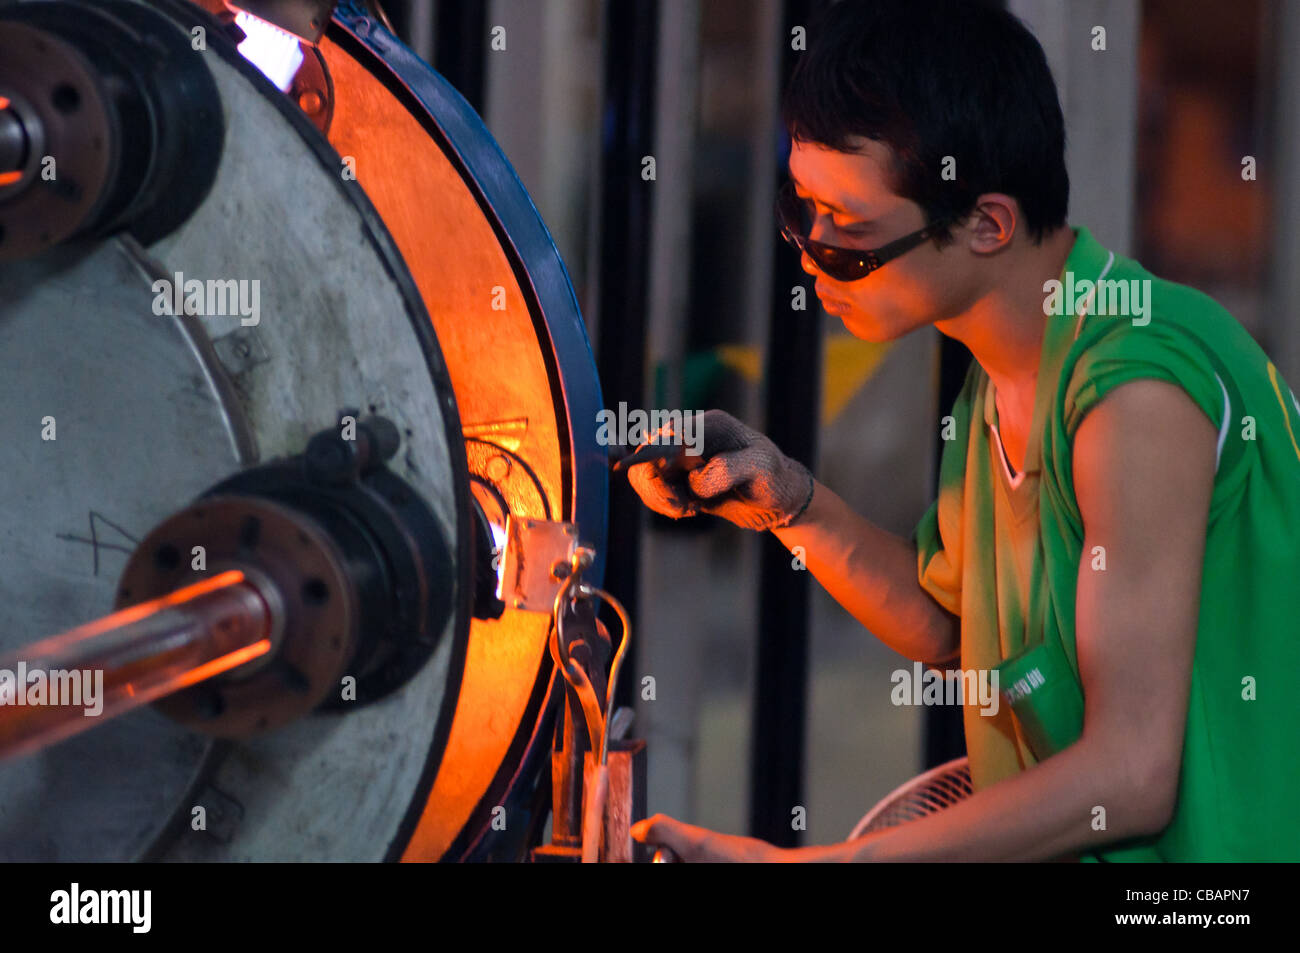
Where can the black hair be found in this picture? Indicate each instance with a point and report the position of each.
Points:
(937, 78)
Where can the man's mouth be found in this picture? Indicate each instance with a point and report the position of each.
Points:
(833, 305)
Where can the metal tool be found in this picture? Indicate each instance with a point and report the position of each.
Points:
(649, 452)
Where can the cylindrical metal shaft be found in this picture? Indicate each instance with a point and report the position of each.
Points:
(69, 683)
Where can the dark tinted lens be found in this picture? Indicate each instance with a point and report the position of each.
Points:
(842, 264)
(795, 216)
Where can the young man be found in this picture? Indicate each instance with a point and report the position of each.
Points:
(1122, 489)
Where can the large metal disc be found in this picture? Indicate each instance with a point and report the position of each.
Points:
(436, 298)
(150, 410)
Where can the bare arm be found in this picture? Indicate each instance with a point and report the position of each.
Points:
(872, 573)
(1144, 473)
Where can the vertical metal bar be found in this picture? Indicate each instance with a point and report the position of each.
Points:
(793, 378)
(624, 231)
(766, 162)
(677, 110)
(460, 47)
(420, 34)
(672, 652)
(1098, 93)
(514, 106)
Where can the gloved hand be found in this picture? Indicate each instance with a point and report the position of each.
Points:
(746, 479)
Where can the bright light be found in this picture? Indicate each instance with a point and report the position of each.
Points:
(499, 543)
(276, 53)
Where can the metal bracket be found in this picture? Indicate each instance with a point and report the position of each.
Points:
(537, 558)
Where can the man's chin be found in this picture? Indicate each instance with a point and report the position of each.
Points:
(868, 330)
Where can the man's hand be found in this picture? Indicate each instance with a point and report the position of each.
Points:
(698, 845)
(747, 479)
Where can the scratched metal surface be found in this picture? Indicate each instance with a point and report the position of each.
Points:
(141, 432)
(138, 431)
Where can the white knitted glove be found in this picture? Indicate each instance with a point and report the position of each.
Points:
(746, 479)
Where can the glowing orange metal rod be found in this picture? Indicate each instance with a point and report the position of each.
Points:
(8, 178)
(68, 683)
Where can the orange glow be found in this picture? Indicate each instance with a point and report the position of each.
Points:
(435, 218)
(223, 664)
(138, 612)
(8, 178)
(124, 617)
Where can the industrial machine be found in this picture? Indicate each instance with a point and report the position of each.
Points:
(305, 511)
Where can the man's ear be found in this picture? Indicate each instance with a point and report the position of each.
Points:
(993, 222)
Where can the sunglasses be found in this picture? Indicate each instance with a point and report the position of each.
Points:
(843, 264)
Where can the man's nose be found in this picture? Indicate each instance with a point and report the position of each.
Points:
(818, 233)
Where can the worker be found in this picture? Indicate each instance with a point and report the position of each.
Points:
(1119, 481)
